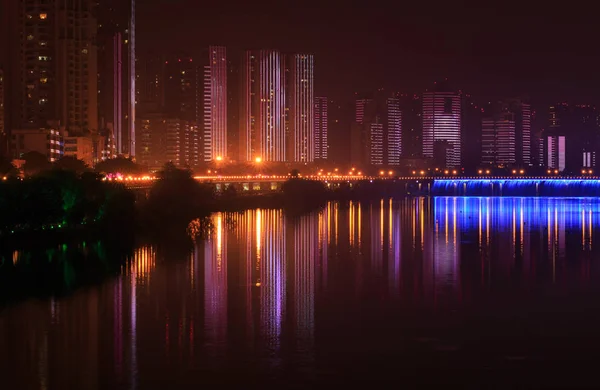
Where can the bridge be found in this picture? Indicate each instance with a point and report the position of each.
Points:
(455, 185)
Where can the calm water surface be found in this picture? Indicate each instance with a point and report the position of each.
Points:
(482, 292)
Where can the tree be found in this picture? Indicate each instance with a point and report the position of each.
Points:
(69, 163)
(7, 168)
(175, 199)
(35, 162)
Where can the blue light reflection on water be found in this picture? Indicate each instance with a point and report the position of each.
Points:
(517, 187)
(503, 212)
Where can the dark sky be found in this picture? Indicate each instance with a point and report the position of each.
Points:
(547, 50)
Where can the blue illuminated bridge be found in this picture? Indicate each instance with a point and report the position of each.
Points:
(511, 186)
(572, 186)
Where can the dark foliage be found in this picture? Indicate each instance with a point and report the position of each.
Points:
(35, 162)
(69, 163)
(7, 168)
(176, 199)
(60, 199)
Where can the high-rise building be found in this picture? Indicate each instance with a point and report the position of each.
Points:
(442, 127)
(150, 83)
(182, 89)
(361, 107)
(521, 112)
(3, 144)
(471, 121)
(301, 108)
(572, 138)
(117, 72)
(498, 140)
(163, 139)
(215, 105)
(53, 65)
(321, 127)
(393, 128)
(556, 151)
(262, 116)
(376, 137)
(412, 125)
(506, 134)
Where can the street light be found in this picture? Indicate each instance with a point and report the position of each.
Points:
(219, 158)
(258, 160)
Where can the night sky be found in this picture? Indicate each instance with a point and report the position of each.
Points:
(540, 49)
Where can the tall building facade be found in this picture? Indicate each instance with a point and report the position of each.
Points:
(215, 105)
(572, 138)
(301, 108)
(150, 83)
(498, 140)
(3, 140)
(117, 73)
(52, 53)
(163, 139)
(442, 127)
(521, 112)
(393, 125)
(262, 115)
(321, 128)
(182, 89)
(376, 136)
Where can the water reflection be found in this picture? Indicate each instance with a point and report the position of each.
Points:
(271, 297)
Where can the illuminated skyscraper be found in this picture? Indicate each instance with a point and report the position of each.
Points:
(3, 145)
(182, 89)
(361, 107)
(442, 127)
(262, 117)
(572, 139)
(393, 127)
(215, 104)
(321, 122)
(498, 140)
(301, 108)
(117, 71)
(521, 112)
(53, 64)
(376, 136)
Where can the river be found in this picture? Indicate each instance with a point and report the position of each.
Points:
(481, 292)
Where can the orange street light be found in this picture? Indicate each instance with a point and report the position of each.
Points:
(219, 158)
(258, 160)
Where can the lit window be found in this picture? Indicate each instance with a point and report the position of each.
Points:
(29, 37)
(43, 16)
(44, 80)
(84, 51)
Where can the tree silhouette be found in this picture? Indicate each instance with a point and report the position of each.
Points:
(35, 162)
(7, 168)
(69, 163)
